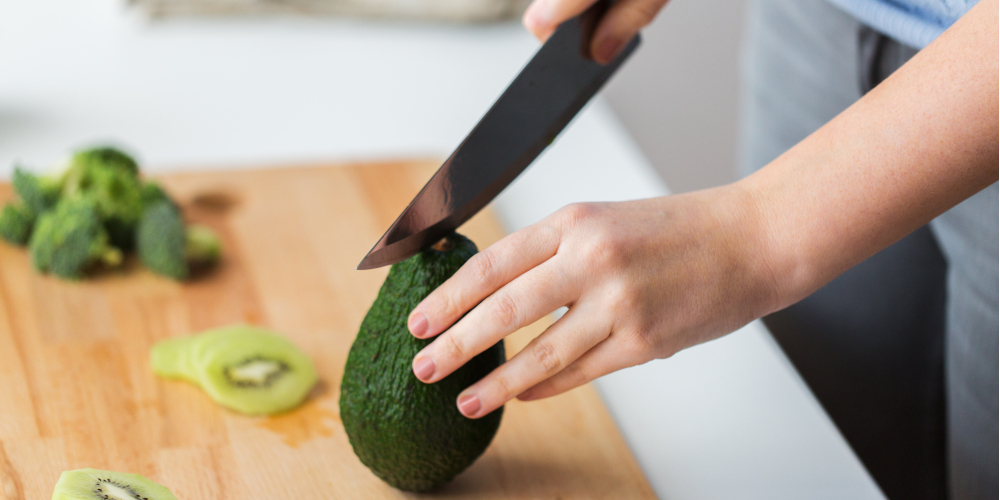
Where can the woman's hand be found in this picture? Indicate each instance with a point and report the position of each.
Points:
(622, 21)
(642, 280)
(645, 279)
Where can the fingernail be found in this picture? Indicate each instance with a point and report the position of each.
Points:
(607, 49)
(418, 324)
(423, 368)
(469, 405)
(539, 14)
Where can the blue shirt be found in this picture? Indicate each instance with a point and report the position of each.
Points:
(913, 22)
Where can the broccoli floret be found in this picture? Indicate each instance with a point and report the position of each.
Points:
(152, 193)
(160, 240)
(79, 173)
(39, 193)
(166, 247)
(95, 208)
(16, 221)
(110, 179)
(70, 239)
(118, 198)
(201, 246)
(102, 157)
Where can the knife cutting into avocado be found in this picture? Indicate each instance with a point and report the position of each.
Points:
(408, 433)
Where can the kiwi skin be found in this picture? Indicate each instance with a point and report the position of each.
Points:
(87, 484)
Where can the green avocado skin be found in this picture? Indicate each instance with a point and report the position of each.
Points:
(411, 434)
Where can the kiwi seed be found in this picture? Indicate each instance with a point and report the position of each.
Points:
(256, 371)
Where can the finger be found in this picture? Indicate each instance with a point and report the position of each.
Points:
(483, 274)
(520, 303)
(622, 21)
(610, 355)
(543, 16)
(559, 346)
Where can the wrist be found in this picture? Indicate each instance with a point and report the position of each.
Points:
(768, 253)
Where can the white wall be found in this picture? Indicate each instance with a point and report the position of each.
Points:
(678, 96)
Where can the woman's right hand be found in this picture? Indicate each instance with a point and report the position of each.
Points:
(622, 21)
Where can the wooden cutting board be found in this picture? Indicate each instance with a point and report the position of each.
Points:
(76, 388)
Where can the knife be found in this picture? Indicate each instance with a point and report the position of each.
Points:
(551, 89)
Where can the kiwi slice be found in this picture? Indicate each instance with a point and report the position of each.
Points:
(170, 359)
(93, 484)
(252, 370)
(244, 368)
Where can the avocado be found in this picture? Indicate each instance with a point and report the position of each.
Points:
(411, 434)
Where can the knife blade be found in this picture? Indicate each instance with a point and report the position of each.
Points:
(551, 89)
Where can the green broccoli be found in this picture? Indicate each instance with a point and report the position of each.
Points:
(166, 247)
(90, 166)
(118, 198)
(110, 179)
(16, 221)
(84, 161)
(151, 193)
(96, 208)
(160, 240)
(201, 246)
(70, 239)
(39, 193)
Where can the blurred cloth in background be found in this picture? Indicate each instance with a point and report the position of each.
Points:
(439, 10)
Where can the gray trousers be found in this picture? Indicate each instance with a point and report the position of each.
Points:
(806, 61)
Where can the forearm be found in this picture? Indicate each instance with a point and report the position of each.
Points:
(918, 144)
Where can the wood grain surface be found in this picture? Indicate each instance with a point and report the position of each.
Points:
(76, 388)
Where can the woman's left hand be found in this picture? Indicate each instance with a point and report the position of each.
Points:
(642, 280)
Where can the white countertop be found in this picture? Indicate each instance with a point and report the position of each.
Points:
(728, 420)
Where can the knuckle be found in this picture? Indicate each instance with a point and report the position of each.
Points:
(575, 375)
(548, 236)
(604, 251)
(622, 300)
(637, 346)
(453, 347)
(575, 213)
(642, 13)
(485, 266)
(502, 387)
(547, 358)
(447, 304)
(506, 311)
